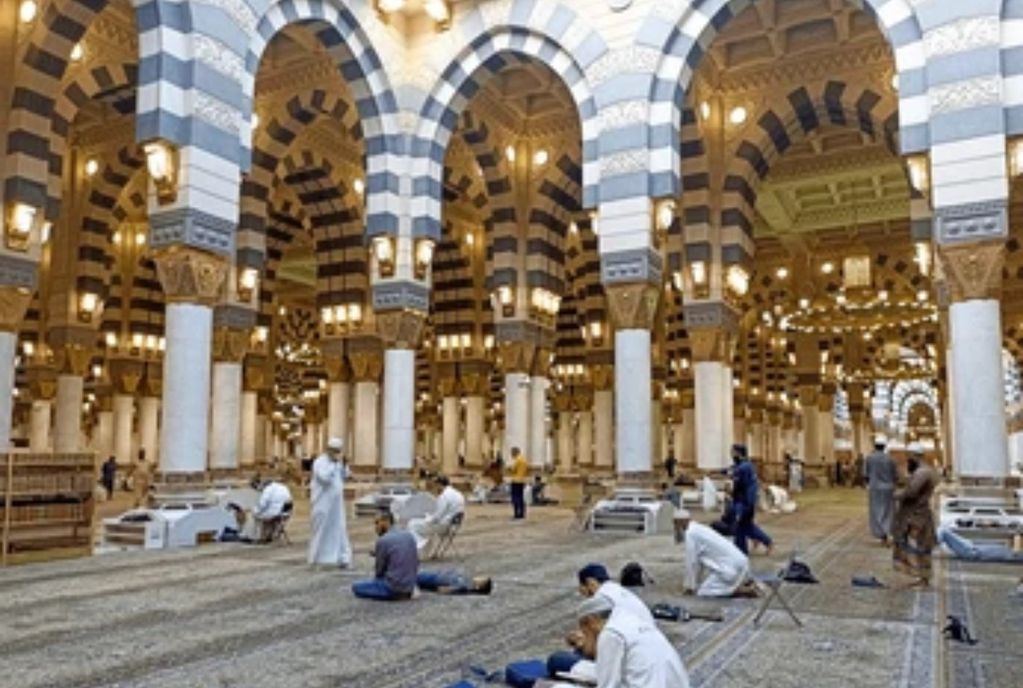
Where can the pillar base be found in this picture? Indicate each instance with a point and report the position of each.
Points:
(982, 483)
(396, 475)
(178, 488)
(364, 472)
(646, 480)
(570, 487)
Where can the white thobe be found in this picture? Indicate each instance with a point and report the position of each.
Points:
(632, 653)
(624, 598)
(329, 542)
(271, 501)
(727, 568)
(450, 503)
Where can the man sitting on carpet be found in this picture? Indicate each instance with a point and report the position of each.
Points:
(397, 563)
(727, 568)
(630, 652)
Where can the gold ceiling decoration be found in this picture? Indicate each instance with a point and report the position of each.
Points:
(840, 316)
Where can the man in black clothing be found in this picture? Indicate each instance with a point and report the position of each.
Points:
(108, 476)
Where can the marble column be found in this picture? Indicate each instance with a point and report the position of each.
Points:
(149, 421)
(39, 425)
(338, 404)
(603, 425)
(225, 431)
(678, 440)
(978, 403)
(633, 424)
(826, 424)
(8, 345)
(103, 435)
(566, 458)
(687, 455)
(124, 417)
(67, 428)
(584, 438)
(712, 446)
(516, 412)
(367, 367)
(399, 440)
(192, 281)
(451, 422)
(657, 451)
(537, 452)
(248, 431)
(811, 444)
(263, 430)
(475, 417)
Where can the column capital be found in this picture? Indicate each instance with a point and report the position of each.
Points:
(189, 275)
(229, 344)
(72, 359)
(13, 304)
(401, 329)
(582, 398)
(152, 384)
(516, 357)
(257, 374)
(973, 270)
(447, 385)
(808, 396)
(42, 382)
(125, 374)
(603, 377)
(541, 363)
(336, 364)
(367, 366)
(632, 306)
(474, 383)
(711, 344)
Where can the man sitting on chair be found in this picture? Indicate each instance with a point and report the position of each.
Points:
(274, 502)
(727, 568)
(450, 503)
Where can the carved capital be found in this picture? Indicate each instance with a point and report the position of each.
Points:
(542, 363)
(603, 377)
(808, 396)
(516, 357)
(447, 385)
(337, 368)
(152, 384)
(258, 373)
(711, 345)
(582, 399)
(632, 306)
(229, 344)
(973, 271)
(561, 402)
(42, 382)
(401, 329)
(191, 276)
(367, 366)
(72, 359)
(125, 375)
(475, 384)
(13, 304)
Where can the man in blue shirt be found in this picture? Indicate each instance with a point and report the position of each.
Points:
(745, 492)
(397, 563)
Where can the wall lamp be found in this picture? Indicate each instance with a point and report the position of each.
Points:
(383, 255)
(737, 280)
(248, 281)
(504, 299)
(21, 219)
(424, 257)
(162, 164)
(88, 303)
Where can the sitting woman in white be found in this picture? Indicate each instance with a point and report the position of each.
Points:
(450, 503)
(727, 569)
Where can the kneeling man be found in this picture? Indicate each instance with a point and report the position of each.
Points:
(274, 502)
(397, 563)
(727, 569)
(450, 503)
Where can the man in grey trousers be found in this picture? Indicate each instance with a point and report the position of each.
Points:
(881, 474)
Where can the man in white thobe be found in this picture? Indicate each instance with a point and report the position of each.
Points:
(630, 652)
(329, 542)
(273, 497)
(726, 568)
(450, 503)
(594, 581)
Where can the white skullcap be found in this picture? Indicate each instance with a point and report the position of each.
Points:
(592, 606)
(682, 515)
(335, 443)
(880, 439)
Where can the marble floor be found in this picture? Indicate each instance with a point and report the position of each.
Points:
(234, 616)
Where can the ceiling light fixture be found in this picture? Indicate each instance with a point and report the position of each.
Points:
(27, 11)
(705, 109)
(91, 167)
(509, 152)
(738, 115)
(781, 273)
(540, 158)
(77, 52)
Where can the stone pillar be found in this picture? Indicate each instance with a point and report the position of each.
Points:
(39, 425)
(808, 399)
(450, 424)
(257, 375)
(974, 273)
(338, 402)
(125, 377)
(603, 417)
(687, 455)
(755, 432)
(657, 451)
(103, 437)
(149, 421)
(517, 360)
(229, 345)
(633, 308)
(678, 440)
(193, 281)
(73, 353)
(584, 431)
(712, 388)
(826, 427)
(475, 385)
(249, 428)
(367, 367)
(538, 419)
(562, 405)
(400, 331)
(14, 302)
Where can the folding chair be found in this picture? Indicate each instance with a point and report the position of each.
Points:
(772, 586)
(446, 539)
(279, 526)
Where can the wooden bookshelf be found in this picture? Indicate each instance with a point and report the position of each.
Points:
(47, 505)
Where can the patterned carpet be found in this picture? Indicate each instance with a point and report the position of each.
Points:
(225, 616)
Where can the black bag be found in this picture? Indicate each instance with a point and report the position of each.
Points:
(799, 572)
(633, 576)
(666, 612)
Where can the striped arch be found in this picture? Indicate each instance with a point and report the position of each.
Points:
(114, 83)
(271, 145)
(682, 41)
(801, 114)
(557, 204)
(486, 55)
(285, 221)
(335, 219)
(502, 239)
(341, 32)
(37, 78)
(1012, 47)
(103, 214)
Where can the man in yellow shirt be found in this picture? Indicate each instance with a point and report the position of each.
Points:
(519, 478)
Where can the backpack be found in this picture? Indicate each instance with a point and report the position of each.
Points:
(633, 576)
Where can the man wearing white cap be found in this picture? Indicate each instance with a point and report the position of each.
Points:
(881, 475)
(727, 569)
(329, 542)
(630, 652)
